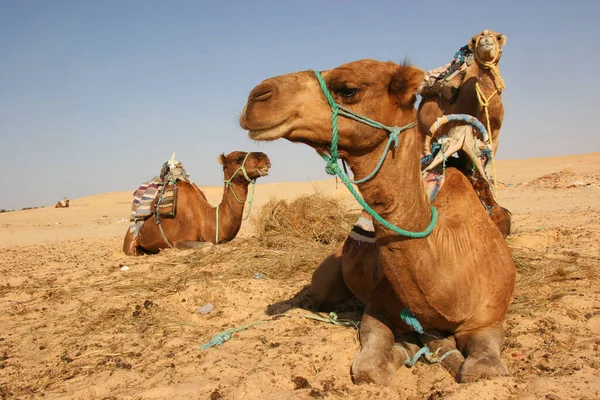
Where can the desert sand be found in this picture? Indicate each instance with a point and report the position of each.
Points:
(76, 325)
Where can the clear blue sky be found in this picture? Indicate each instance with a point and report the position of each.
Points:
(96, 95)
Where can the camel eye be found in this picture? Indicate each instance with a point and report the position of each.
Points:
(347, 92)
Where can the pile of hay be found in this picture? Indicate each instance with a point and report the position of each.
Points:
(307, 219)
(291, 239)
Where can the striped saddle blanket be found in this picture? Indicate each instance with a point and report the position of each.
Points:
(158, 196)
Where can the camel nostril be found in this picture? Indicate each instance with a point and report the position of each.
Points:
(262, 92)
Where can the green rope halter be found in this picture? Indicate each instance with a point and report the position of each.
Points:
(332, 167)
(228, 185)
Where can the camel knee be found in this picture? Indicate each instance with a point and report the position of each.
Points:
(127, 249)
(327, 284)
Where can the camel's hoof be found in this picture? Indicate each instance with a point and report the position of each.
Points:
(482, 367)
(368, 368)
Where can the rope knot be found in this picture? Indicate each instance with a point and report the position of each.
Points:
(394, 135)
(331, 167)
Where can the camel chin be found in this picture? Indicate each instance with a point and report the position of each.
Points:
(268, 134)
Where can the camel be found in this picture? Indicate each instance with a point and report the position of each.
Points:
(64, 203)
(462, 96)
(453, 284)
(195, 223)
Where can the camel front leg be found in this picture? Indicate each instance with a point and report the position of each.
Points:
(443, 346)
(327, 285)
(378, 360)
(482, 348)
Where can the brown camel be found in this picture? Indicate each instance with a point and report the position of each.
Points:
(457, 281)
(462, 98)
(64, 203)
(195, 223)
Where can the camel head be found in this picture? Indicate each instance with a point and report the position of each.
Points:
(294, 107)
(487, 46)
(255, 165)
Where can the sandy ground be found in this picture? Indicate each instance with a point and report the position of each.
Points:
(75, 326)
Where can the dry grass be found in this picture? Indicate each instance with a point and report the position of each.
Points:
(315, 218)
(291, 240)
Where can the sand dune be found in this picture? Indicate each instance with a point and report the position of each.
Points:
(76, 326)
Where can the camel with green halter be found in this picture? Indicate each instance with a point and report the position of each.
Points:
(197, 223)
(455, 275)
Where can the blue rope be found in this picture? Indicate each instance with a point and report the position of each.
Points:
(425, 352)
(469, 119)
(414, 323)
(332, 167)
(224, 336)
(411, 321)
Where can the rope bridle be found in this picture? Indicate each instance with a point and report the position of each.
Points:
(229, 185)
(484, 101)
(333, 168)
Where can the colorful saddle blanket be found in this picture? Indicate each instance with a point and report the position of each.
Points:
(157, 197)
(444, 81)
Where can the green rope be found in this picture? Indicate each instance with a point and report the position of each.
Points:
(224, 336)
(228, 182)
(250, 199)
(332, 167)
(217, 230)
(333, 319)
(228, 185)
(221, 337)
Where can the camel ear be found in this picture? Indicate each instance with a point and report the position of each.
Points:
(472, 43)
(405, 84)
(222, 160)
(501, 40)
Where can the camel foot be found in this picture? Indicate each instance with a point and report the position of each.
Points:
(485, 366)
(440, 344)
(370, 367)
(482, 348)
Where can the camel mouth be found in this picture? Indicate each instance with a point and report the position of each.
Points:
(488, 47)
(272, 133)
(268, 130)
(263, 171)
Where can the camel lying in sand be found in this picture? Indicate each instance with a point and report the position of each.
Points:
(195, 223)
(64, 203)
(462, 97)
(457, 281)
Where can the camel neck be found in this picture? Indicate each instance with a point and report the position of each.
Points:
(231, 210)
(396, 192)
(487, 80)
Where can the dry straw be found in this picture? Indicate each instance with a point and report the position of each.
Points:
(290, 240)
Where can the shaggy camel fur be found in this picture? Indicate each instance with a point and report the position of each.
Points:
(458, 281)
(194, 224)
(487, 50)
(62, 204)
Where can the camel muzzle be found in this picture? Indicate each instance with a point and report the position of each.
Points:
(262, 92)
(263, 171)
